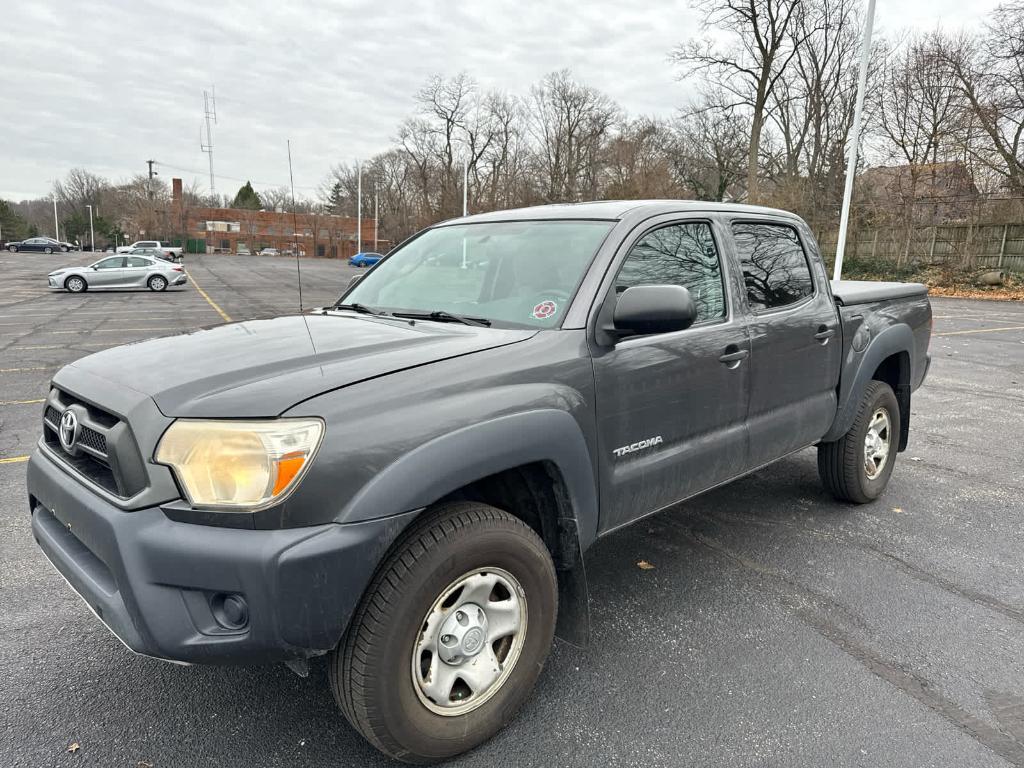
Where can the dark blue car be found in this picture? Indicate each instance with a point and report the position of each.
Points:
(40, 244)
(364, 259)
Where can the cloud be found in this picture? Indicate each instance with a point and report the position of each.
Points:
(109, 84)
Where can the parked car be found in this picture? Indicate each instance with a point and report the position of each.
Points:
(155, 253)
(173, 251)
(269, 252)
(119, 271)
(364, 259)
(40, 245)
(415, 498)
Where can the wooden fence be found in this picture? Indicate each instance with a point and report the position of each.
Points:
(980, 245)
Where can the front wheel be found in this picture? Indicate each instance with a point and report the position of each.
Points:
(12, 248)
(857, 466)
(450, 636)
(75, 284)
(157, 283)
(49, 250)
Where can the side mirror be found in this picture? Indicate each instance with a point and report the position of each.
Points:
(355, 279)
(647, 309)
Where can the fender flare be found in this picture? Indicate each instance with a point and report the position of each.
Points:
(893, 340)
(448, 462)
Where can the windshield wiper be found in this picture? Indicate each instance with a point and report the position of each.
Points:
(446, 317)
(361, 308)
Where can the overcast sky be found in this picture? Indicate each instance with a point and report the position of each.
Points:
(107, 85)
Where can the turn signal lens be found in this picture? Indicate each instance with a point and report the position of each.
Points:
(243, 465)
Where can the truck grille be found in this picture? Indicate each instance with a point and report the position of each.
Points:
(104, 453)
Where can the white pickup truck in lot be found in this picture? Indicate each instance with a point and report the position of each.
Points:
(174, 251)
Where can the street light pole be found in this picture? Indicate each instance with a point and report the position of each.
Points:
(92, 232)
(851, 164)
(359, 208)
(56, 227)
(376, 215)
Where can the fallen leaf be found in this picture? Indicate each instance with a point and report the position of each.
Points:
(916, 458)
(143, 764)
(643, 565)
(897, 510)
(74, 747)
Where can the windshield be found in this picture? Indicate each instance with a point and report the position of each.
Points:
(517, 273)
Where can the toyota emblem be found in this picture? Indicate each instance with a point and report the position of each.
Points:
(68, 432)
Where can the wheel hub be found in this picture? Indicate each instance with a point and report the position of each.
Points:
(462, 634)
(877, 443)
(469, 641)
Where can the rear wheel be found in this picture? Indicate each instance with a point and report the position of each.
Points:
(451, 634)
(857, 466)
(157, 283)
(75, 284)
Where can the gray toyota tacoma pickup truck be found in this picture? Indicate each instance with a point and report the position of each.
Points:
(408, 481)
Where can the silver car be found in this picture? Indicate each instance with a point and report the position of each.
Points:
(120, 271)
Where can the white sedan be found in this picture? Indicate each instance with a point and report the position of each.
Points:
(119, 272)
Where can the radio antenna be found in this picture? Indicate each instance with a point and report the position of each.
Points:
(295, 225)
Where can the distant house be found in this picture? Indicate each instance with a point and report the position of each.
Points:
(938, 191)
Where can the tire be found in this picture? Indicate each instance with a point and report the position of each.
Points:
(48, 250)
(12, 248)
(64, 249)
(376, 671)
(843, 465)
(157, 283)
(76, 284)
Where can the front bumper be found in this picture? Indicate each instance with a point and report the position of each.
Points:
(157, 583)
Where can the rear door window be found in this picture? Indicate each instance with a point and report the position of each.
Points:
(137, 261)
(775, 269)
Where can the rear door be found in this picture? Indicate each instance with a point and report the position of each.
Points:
(107, 273)
(136, 271)
(794, 335)
(671, 407)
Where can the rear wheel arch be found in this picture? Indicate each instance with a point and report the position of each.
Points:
(886, 356)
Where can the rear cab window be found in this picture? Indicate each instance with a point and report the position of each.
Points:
(775, 269)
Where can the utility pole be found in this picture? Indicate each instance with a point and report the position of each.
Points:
(376, 215)
(56, 227)
(359, 207)
(152, 173)
(209, 113)
(92, 232)
(851, 165)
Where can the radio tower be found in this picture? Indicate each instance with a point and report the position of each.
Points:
(209, 113)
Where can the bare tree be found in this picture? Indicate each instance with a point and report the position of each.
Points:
(763, 45)
(989, 72)
(710, 152)
(569, 122)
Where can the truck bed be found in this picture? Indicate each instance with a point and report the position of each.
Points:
(850, 292)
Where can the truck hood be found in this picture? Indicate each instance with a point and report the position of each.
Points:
(261, 368)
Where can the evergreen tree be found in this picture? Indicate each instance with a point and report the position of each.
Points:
(337, 199)
(247, 198)
(13, 224)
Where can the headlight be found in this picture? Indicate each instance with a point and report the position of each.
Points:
(239, 464)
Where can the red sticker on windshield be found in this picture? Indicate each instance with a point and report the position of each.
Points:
(544, 310)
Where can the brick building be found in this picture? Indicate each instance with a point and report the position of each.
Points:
(239, 230)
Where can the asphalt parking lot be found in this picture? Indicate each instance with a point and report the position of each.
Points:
(776, 627)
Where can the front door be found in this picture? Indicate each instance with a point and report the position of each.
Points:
(794, 335)
(671, 407)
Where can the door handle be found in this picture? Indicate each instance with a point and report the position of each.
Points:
(733, 356)
(824, 333)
